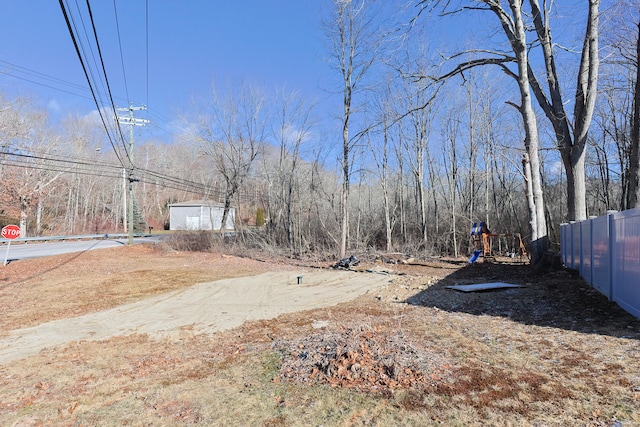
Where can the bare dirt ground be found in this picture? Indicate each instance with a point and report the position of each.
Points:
(398, 349)
(205, 308)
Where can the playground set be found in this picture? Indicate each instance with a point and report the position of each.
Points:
(482, 240)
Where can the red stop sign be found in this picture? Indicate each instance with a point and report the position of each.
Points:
(11, 232)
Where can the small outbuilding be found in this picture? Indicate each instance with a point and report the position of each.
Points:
(199, 215)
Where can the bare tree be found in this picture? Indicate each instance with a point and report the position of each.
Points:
(571, 138)
(416, 145)
(231, 134)
(531, 162)
(416, 123)
(381, 156)
(353, 50)
(28, 141)
(612, 146)
(618, 107)
(514, 26)
(634, 189)
(291, 130)
(451, 165)
(633, 192)
(84, 192)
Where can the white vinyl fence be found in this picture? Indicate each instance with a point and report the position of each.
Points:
(606, 252)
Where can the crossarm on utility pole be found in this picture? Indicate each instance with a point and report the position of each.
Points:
(131, 121)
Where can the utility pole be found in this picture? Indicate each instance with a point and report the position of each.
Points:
(131, 121)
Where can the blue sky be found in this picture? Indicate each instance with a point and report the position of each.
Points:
(274, 43)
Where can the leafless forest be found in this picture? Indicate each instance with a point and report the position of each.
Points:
(515, 129)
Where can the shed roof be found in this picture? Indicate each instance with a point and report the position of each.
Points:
(206, 203)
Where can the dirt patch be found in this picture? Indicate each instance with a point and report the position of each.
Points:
(34, 291)
(205, 307)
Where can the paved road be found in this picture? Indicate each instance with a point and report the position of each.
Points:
(35, 250)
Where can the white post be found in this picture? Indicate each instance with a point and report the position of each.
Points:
(6, 257)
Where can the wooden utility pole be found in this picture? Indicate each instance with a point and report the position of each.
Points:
(131, 121)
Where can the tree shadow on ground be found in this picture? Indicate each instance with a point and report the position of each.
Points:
(558, 299)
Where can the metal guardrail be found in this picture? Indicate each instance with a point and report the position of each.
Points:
(45, 239)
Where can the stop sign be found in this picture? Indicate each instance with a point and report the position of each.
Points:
(11, 232)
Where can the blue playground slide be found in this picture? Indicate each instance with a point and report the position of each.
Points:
(475, 256)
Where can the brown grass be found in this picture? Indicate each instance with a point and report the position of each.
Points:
(499, 358)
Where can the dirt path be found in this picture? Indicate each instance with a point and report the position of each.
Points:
(208, 307)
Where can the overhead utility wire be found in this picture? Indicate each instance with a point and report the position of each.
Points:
(159, 117)
(174, 180)
(88, 52)
(61, 159)
(189, 186)
(90, 167)
(26, 161)
(35, 73)
(146, 30)
(124, 74)
(199, 191)
(113, 105)
(85, 172)
(84, 69)
(167, 182)
(98, 85)
(42, 84)
(23, 161)
(8, 66)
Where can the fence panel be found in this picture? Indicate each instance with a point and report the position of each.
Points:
(585, 251)
(625, 237)
(606, 252)
(600, 262)
(564, 241)
(575, 245)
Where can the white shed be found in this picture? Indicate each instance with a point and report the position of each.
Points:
(199, 215)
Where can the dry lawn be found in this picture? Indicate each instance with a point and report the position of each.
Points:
(554, 353)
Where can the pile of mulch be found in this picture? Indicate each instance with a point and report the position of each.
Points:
(361, 359)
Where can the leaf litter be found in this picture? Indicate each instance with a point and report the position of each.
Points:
(361, 359)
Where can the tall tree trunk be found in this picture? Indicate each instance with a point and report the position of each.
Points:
(634, 160)
(535, 198)
(344, 199)
(352, 34)
(39, 216)
(24, 206)
(572, 146)
(586, 93)
(382, 163)
(400, 194)
(228, 197)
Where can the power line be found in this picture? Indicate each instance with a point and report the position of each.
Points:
(106, 79)
(45, 77)
(146, 27)
(42, 84)
(86, 73)
(160, 119)
(98, 85)
(48, 168)
(60, 159)
(124, 74)
(107, 170)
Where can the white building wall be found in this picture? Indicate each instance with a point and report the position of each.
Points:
(199, 217)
